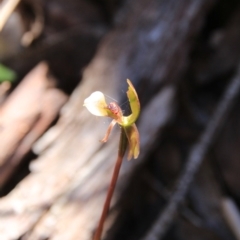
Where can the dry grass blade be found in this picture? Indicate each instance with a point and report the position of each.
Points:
(195, 158)
(232, 215)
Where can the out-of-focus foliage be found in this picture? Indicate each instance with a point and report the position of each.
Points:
(6, 74)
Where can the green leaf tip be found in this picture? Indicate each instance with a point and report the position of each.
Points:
(6, 74)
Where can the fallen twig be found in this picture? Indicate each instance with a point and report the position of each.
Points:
(36, 26)
(195, 158)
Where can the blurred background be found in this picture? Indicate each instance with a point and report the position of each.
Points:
(54, 173)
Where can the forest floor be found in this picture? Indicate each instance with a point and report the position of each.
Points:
(183, 58)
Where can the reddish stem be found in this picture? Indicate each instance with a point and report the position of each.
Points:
(121, 151)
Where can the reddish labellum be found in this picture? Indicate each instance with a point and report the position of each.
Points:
(115, 110)
(113, 107)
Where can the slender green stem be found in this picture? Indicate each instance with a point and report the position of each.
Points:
(121, 152)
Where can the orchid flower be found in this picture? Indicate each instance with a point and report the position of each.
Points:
(96, 104)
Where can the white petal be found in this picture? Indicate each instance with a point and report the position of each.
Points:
(96, 104)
